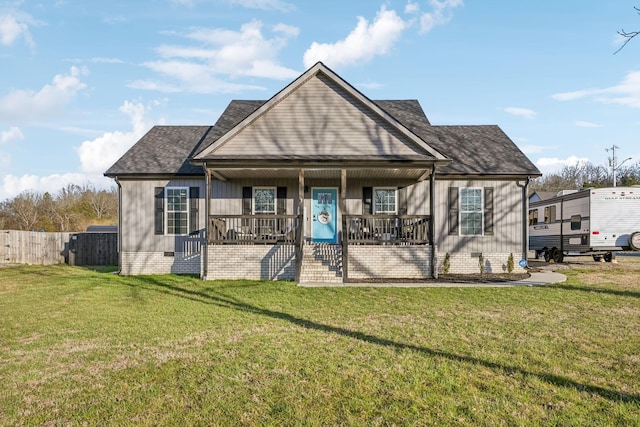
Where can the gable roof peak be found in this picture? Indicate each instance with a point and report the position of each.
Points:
(320, 68)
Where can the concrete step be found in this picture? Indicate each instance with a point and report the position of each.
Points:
(321, 263)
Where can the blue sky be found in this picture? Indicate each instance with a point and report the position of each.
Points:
(82, 80)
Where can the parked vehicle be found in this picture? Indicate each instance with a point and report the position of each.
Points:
(595, 221)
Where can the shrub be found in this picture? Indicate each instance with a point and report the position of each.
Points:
(446, 265)
(510, 263)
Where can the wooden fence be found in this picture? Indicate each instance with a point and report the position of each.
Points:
(93, 249)
(31, 247)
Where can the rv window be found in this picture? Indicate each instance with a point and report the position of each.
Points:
(550, 214)
(533, 216)
(576, 222)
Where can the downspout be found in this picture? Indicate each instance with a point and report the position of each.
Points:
(119, 225)
(432, 210)
(525, 218)
(205, 251)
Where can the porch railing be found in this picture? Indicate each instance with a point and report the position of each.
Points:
(387, 229)
(253, 229)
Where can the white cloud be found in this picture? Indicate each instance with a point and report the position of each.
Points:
(370, 85)
(521, 112)
(12, 134)
(101, 60)
(625, 93)
(13, 185)
(569, 96)
(584, 124)
(412, 8)
(188, 3)
(265, 5)
(97, 155)
(220, 52)
(440, 15)
(13, 27)
(20, 106)
(287, 30)
(532, 149)
(554, 164)
(361, 45)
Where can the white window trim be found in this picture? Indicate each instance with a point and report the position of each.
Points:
(395, 192)
(275, 200)
(460, 211)
(166, 210)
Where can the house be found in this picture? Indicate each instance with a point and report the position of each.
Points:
(322, 184)
(536, 196)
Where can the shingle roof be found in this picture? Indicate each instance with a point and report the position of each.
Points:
(483, 149)
(166, 150)
(163, 150)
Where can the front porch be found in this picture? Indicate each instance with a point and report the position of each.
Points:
(275, 247)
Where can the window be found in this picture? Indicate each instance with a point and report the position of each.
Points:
(533, 216)
(384, 201)
(264, 200)
(550, 214)
(471, 211)
(576, 222)
(177, 210)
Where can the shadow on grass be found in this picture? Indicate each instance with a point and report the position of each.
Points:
(226, 302)
(596, 290)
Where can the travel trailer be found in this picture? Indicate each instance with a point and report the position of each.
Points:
(594, 221)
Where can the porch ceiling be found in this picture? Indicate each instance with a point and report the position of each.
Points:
(274, 173)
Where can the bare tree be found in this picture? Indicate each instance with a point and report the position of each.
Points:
(628, 35)
(585, 175)
(102, 202)
(25, 209)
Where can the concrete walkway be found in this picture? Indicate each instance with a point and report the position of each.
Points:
(536, 279)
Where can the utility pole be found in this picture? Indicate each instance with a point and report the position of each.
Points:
(613, 161)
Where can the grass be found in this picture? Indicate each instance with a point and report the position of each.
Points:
(85, 347)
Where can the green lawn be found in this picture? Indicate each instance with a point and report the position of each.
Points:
(87, 347)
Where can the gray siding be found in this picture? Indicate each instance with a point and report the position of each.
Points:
(320, 118)
(138, 218)
(226, 196)
(507, 218)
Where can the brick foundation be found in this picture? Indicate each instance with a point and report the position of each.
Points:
(389, 262)
(468, 263)
(254, 262)
(160, 263)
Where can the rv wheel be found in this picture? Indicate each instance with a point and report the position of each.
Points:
(547, 255)
(634, 241)
(556, 254)
(608, 257)
(597, 258)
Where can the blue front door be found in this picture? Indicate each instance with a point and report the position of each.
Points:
(324, 226)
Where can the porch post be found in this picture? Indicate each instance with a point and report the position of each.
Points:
(204, 257)
(432, 228)
(343, 212)
(299, 242)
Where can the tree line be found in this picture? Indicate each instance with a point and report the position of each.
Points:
(73, 208)
(587, 175)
